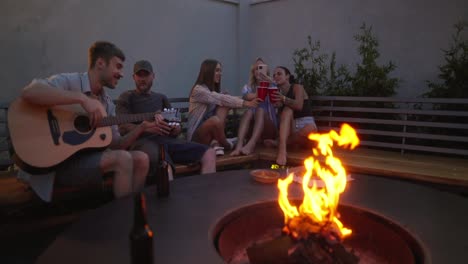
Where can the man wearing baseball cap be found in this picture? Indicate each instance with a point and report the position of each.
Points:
(143, 100)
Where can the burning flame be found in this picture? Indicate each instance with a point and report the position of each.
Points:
(318, 211)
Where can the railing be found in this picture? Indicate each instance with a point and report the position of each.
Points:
(182, 103)
(416, 124)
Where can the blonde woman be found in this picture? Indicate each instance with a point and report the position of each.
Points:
(264, 115)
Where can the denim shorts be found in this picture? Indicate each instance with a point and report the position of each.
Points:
(301, 122)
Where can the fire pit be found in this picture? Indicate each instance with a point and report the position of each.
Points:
(316, 229)
(375, 238)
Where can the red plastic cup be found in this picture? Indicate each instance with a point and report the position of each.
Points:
(262, 92)
(271, 91)
(264, 84)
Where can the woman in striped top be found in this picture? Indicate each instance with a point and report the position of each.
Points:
(208, 107)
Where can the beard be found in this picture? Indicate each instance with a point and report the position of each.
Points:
(144, 87)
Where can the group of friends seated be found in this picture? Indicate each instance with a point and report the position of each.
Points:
(284, 120)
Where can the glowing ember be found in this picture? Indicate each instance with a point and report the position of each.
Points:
(317, 213)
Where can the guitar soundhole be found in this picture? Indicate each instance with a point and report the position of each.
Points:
(82, 124)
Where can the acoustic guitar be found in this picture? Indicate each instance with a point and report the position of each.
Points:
(44, 136)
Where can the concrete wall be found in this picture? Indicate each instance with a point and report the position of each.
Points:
(40, 38)
(411, 33)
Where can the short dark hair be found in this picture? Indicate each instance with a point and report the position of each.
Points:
(105, 50)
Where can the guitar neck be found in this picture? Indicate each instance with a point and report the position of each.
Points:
(128, 118)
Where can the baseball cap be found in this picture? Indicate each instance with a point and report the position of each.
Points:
(142, 65)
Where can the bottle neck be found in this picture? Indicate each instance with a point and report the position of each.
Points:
(139, 219)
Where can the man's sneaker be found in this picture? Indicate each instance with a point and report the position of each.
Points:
(219, 150)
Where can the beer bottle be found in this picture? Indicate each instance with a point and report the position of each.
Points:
(141, 236)
(162, 176)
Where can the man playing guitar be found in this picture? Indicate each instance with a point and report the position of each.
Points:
(105, 66)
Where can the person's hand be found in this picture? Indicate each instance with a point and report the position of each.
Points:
(158, 118)
(158, 126)
(95, 110)
(176, 130)
(277, 99)
(162, 129)
(264, 78)
(253, 103)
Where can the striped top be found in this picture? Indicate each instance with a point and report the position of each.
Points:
(199, 101)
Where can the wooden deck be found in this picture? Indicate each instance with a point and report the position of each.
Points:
(425, 168)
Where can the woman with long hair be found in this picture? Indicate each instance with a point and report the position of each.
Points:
(296, 120)
(264, 115)
(208, 108)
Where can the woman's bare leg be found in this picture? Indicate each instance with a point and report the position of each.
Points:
(243, 129)
(286, 122)
(213, 128)
(257, 131)
(222, 113)
(208, 162)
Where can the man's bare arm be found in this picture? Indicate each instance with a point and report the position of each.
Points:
(44, 94)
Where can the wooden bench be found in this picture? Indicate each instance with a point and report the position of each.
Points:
(399, 138)
(403, 138)
(394, 147)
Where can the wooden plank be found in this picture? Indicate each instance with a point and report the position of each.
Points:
(434, 169)
(221, 161)
(415, 147)
(179, 100)
(389, 111)
(390, 122)
(390, 99)
(400, 134)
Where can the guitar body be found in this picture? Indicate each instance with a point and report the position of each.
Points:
(43, 137)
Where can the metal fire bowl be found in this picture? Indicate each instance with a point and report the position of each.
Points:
(184, 224)
(375, 239)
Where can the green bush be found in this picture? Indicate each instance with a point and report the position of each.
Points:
(321, 76)
(309, 67)
(371, 79)
(454, 73)
(339, 81)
